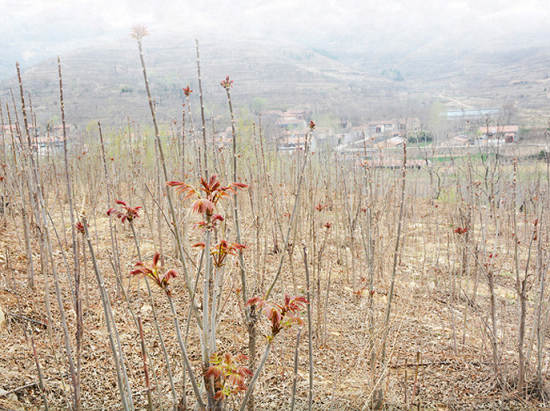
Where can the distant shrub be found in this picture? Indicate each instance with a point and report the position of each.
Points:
(421, 137)
(542, 155)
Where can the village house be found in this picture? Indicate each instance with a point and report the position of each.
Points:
(40, 138)
(507, 134)
(291, 123)
(394, 127)
(292, 120)
(379, 133)
(291, 141)
(393, 142)
(292, 128)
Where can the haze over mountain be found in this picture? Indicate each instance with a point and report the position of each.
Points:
(398, 54)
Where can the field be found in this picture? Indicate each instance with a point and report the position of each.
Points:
(407, 288)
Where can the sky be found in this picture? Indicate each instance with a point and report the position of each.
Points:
(33, 29)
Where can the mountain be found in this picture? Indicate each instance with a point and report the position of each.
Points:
(104, 82)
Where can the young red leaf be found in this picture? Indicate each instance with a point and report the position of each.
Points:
(156, 258)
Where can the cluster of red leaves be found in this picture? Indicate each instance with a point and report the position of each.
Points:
(212, 192)
(80, 227)
(229, 377)
(320, 207)
(461, 230)
(203, 206)
(226, 83)
(491, 260)
(535, 229)
(281, 315)
(362, 291)
(187, 91)
(154, 272)
(215, 218)
(79, 157)
(221, 250)
(311, 125)
(125, 213)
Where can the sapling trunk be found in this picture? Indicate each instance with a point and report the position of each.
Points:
(4, 156)
(309, 334)
(185, 356)
(249, 310)
(395, 256)
(252, 382)
(292, 216)
(208, 332)
(155, 320)
(77, 300)
(145, 369)
(203, 119)
(68, 178)
(494, 332)
(124, 389)
(138, 34)
(295, 375)
(41, 384)
(114, 246)
(521, 286)
(538, 321)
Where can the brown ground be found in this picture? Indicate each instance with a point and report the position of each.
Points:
(448, 375)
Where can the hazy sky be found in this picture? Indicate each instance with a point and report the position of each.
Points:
(38, 27)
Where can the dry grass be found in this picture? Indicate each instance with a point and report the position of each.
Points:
(422, 323)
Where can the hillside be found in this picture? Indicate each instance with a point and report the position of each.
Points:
(105, 82)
